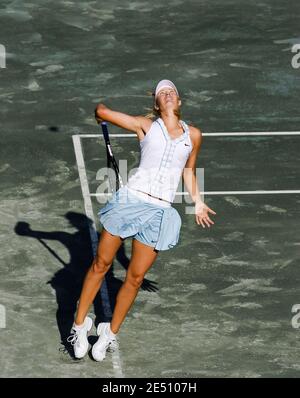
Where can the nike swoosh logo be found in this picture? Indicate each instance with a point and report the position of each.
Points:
(186, 144)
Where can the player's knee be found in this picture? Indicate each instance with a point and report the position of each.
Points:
(100, 266)
(135, 281)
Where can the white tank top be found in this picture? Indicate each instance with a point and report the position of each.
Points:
(162, 161)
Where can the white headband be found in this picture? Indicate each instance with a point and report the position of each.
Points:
(165, 83)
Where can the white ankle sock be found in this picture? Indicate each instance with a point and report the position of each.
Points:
(78, 326)
(111, 332)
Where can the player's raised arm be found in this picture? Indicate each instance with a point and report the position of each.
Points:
(120, 119)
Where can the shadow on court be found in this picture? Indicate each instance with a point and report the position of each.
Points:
(67, 281)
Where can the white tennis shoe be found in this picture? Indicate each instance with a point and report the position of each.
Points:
(78, 337)
(107, 341)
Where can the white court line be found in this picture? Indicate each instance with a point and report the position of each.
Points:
(116, 359)
(260, 192)
(219, 134)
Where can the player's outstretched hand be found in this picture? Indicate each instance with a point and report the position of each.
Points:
(201, 214)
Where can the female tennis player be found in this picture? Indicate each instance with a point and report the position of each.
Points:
(141, 209)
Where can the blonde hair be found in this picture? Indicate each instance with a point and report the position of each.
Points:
(154, 113)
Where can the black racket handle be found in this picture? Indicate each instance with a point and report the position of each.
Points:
(111, 158)
(106, 138)
(105, 131)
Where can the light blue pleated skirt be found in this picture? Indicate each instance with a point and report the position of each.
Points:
(127, 215)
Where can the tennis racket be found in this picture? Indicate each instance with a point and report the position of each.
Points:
(114, 178)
